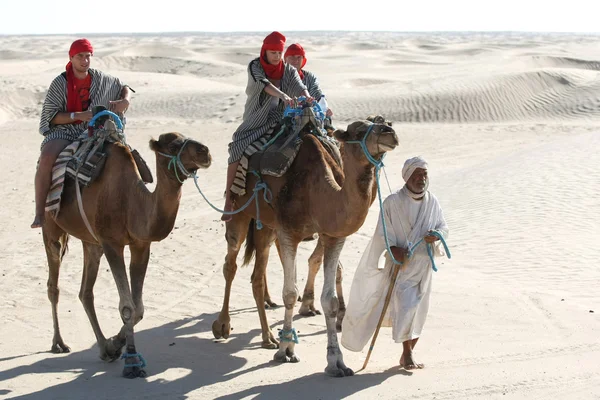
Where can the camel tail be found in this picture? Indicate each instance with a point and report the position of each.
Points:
(250, 246)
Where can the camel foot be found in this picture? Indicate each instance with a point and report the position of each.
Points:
(134, 366)
(270, 304)
(269, 345)
(335, 363)
(338, 371)
(60, 347)
(134, 372)
(308, 310)
(221, 329)
(111, 350)
(286, 354)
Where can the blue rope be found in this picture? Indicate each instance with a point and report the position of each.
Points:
(270, 142)
(106, 112)
(130, 355)
(267, 196)
(288, 336)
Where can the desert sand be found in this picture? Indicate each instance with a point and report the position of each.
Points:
(510, 126)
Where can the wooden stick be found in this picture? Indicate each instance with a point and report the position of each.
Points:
(385, 306)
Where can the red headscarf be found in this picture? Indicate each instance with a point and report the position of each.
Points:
(78, 46)
(297, 50)
(274, 42)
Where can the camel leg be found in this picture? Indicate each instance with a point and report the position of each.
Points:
(134, 363)
(340, 293)
(140, 255)
(330, 304)
(308, 298)
(287, 251)
(235, 234)
(55, 242)
(269, 303)
(262, 242)
(92, 253)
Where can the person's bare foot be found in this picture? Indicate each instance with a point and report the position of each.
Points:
(228, 207)
(38, 221)
(407, 362)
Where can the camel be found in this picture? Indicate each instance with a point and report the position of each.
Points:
(307, 308)
(122, 212)
(315, 195)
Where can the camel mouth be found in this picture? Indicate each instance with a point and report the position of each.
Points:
(207, 162)
(387, 146)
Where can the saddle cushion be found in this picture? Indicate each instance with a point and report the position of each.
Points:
(279, 154)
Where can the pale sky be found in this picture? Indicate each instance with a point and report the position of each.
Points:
(111, 16)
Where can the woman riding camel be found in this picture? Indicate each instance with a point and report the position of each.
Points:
(271, 86)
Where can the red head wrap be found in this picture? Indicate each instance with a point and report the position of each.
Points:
(78, 46)
(273, 42)
(297, 50)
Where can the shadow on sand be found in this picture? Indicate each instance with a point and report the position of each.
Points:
(171, 347)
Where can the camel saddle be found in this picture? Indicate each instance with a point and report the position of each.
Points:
(84, 160)
(279, 153)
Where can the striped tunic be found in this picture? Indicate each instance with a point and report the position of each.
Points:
(262, 111)
(312, 85)
(103, 88)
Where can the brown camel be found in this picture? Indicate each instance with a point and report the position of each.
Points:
(314, 196)
(122, 212)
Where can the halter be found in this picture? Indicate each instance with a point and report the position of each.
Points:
(363, 144)
(176, 163)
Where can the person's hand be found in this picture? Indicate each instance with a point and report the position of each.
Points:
(288, 100)
(399, 253)
(329, 113)
(118, 106)
(85, 116)
(430, 238)
(310, 100)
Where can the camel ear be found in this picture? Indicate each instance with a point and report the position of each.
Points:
(341, 135)
(154, 146)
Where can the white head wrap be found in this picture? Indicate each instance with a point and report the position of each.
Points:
(410, 165)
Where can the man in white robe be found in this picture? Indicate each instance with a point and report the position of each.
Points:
(410, 215)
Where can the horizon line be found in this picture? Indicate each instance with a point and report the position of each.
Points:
(122, 33)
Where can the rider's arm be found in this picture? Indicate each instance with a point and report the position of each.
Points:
(63, 118)
(273, 91)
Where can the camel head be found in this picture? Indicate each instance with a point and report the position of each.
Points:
(378, 138)
(188, 154)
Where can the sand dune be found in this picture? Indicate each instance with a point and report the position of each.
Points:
(509, 123)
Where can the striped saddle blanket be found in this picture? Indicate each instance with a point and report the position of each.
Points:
(74, 161)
